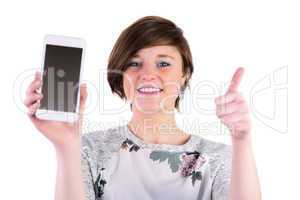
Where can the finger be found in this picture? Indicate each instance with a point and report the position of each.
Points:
(236, 80)
(38, 75)
(83, 97)
(229, 108)
(33, 108)
(34, 85)
(36, 121)
(226, 98)
(234, 117)
(32, 99)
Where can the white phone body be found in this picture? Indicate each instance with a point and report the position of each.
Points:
(62, 68)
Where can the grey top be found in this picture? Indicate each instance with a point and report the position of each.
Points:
(116, 164)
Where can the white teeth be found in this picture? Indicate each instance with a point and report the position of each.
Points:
(149, 89)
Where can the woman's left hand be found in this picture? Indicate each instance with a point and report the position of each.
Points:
(233, 111)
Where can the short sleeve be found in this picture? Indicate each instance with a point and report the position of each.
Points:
(86, 169)
(221, 182)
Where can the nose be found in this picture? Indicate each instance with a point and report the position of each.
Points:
(148, 73)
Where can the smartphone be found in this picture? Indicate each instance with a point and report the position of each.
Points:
(62, 68)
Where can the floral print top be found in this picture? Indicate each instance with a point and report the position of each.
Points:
(116, 164)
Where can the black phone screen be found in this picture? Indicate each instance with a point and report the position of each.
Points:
(61, 78)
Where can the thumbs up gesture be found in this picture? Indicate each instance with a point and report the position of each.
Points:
(232, 109)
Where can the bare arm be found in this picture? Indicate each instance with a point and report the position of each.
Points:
(244, 179)
(66, 138)
(69, 183)
(233, 111)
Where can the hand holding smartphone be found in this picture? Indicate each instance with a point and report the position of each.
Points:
(60, 123)
(61, 74)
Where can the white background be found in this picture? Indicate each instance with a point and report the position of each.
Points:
(262, 36)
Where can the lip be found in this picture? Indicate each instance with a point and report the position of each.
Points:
(149, 85)
(149, 93)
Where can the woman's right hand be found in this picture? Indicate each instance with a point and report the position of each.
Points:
(61, 134)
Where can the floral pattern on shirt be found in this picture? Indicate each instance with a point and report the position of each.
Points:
(99, 186)
(187, 163)
(128, 144)
(191, 163)
(173, 158)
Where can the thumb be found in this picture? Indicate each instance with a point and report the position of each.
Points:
(83, 97)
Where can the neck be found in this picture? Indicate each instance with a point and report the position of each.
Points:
(158, 128)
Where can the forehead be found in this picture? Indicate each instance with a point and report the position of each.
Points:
(160, 51)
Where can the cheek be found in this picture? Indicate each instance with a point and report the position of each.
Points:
(128, 85)
(172, 80)
(172, 86)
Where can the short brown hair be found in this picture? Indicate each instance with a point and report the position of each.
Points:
(147, 32)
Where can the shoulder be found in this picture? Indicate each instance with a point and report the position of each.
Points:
(213, 147)
(216, 151)
(103, 140)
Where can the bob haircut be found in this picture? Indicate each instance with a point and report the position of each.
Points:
(147, 32)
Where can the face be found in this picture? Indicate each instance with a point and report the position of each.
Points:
(153, 79)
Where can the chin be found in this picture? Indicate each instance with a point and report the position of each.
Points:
(148, 108)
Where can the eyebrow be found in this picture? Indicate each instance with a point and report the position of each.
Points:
(160, 56)
(164, 55)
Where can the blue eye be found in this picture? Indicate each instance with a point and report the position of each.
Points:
(163, 64)
(133, 64)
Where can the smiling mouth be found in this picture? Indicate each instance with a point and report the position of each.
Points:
(149, 90)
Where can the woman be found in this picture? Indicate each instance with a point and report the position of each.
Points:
(150, 66)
